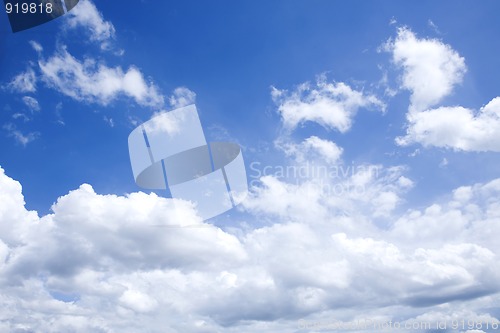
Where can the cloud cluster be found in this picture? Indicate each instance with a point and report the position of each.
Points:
(430, 71)
(109, 263)
(330, 243)
(332, 105)
(87, 80)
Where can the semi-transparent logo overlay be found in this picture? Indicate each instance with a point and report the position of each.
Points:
(170, 152)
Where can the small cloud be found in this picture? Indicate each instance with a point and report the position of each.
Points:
(312, 148)
(20, 137)
(109, 121)
(22, 116)
(24, 82)
(31, 103)
(36, 46)
(59, 117)
(434, 27)
(384, 83)
(405, 182)
(414, 153)
(332, 105)
(182, 96)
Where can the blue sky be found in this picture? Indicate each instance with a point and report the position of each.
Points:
(230, 55)
(408, 87)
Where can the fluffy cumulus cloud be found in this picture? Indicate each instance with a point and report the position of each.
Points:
(456, 127)
(430, 68)
(87, 16)
(95, 82)
(87, 260)
(330, 104)
(108, 263)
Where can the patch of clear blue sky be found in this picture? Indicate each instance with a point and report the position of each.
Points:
(230, 53)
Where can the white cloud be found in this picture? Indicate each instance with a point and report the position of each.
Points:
(444, 163)
(470, 215)
(120, 270)
(434, 27)
(312, 148)
(431, 68)
(22, 116)
(324, 148)
(181, 97)
(332, 105)
(165, 122)
(109, 121)
(456, 127)
(31, 103)
(137, 301)
(95, 82)
(308, 191)
(405, 182)
(86, 15)
(24, 82)
(36, 46)
(19, 136)
(15, 219)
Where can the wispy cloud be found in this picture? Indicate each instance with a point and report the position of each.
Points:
(20, 137)
(31, 103)
(182, 96)
(24, 82)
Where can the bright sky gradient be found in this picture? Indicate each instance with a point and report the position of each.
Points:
(398, 101)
